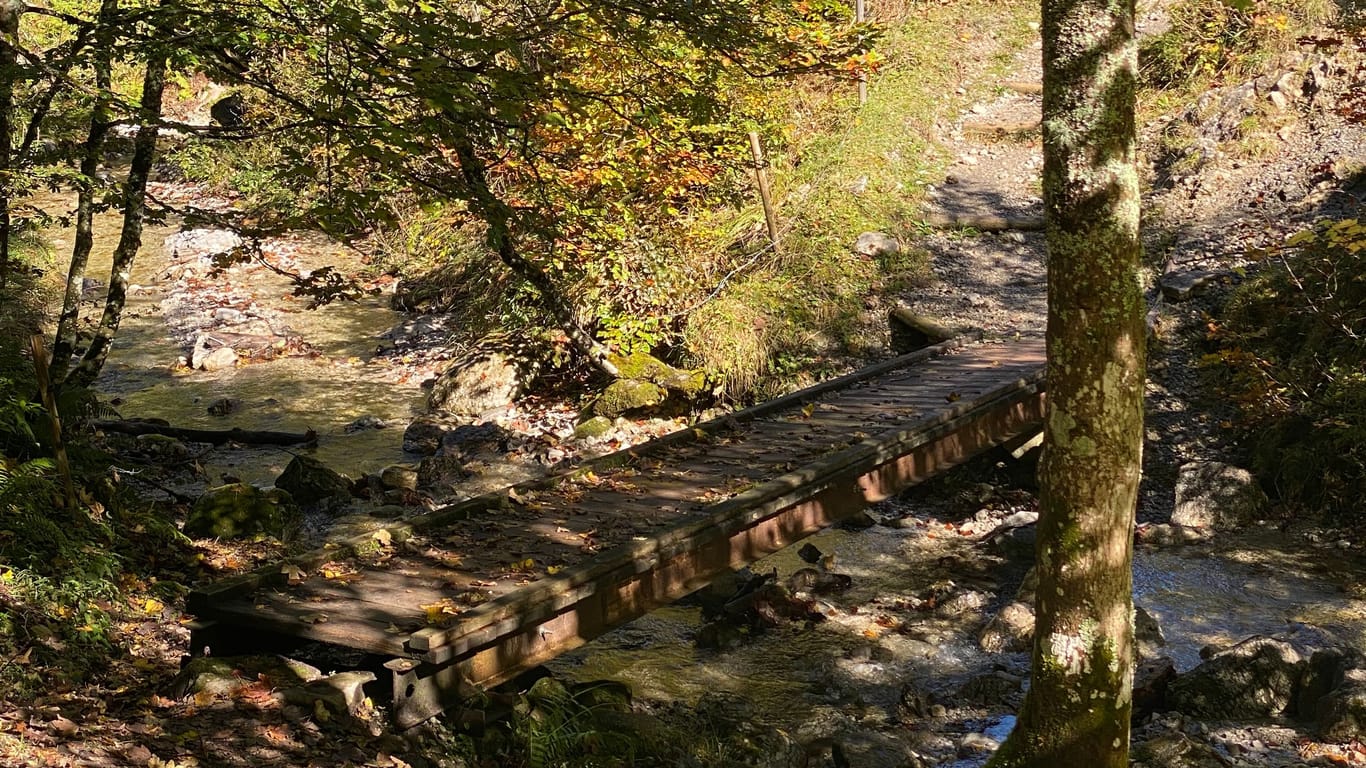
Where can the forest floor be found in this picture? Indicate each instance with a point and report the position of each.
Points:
(1204, 219)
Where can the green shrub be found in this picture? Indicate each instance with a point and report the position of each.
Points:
(1209, 40)
(1293, 355)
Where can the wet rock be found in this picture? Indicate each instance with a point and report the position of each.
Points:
(364, 423)
(399, 476)
(237, 510)
(625, 396)
(992, 689)
(1151, 678)
(312, 483)
(816, 582)
(724, 710)
(913, 703)
(597, 426)
(876, 245)
(809, 553)
(193, 243)
(469, 440)
(1147, 633)
(1255, 678)
(859, 521)
(423, 436)
(1215, 495)
(1177, 750)
(1166, 535)
(440, 473)
(162, 446)
(223, 406)
(1009, 631)
(968, 601)
(483, 382)
(975, 744)
(342, 693)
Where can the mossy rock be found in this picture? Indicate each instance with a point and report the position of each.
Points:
(641, 366)
(597, 426)
(626, 395)
(239, 510)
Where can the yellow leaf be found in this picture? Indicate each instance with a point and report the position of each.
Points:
(808, 409)
(8, 575)
(554, 569)
(152, 606)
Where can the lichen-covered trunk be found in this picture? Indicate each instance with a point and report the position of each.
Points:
(134, 211)
(1079, 702)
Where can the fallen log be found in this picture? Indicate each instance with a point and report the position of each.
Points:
(214, 436)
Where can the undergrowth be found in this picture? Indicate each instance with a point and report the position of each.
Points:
(1292, 354)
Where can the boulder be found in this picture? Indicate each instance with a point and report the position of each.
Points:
(440, 473)
(1151, 678)
(1341, 715)
(1011, 630)
(1177, 750)
(1327, 669)
(218, 359)
(476, 384)
(398, 476)
(238, 510)
(1184, 286)
(1214, 495)
(596, 426)
(313, 483)
(1148, 635)
(223, 676)
(992, 689)
(423, 436)
(468, 440)
(1255, 678)
(628, 395)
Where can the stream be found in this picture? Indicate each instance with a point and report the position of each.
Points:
(356, 399)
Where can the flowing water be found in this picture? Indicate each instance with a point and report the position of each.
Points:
(342, 381)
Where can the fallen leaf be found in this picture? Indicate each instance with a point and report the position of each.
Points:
(383, 537)
(808, 409)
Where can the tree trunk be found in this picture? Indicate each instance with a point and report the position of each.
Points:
(497, 216)
(65, 344)
(9, 69)
(1079, 702)
(134, 210)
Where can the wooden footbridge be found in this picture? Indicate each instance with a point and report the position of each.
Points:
(476, 593)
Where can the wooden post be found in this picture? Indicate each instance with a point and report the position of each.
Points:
(863, 76)
(50, 403)
(761, 174)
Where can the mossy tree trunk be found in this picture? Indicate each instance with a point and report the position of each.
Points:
(1079, 702)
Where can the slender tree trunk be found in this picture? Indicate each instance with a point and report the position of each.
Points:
(67, 322)
(134, 211)
(497, 216)
(10, 12)
(1080, 698)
